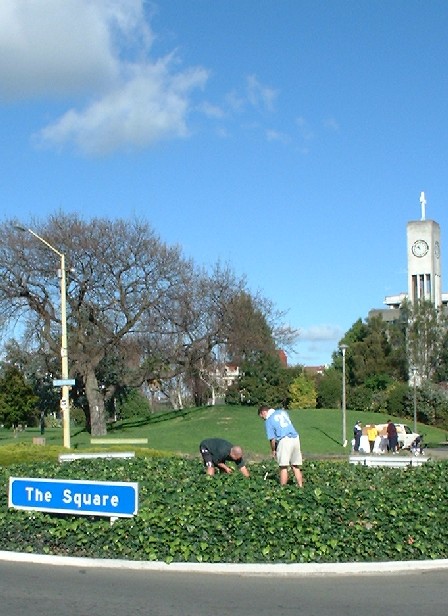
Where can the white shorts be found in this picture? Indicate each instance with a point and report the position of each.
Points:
(289, 452)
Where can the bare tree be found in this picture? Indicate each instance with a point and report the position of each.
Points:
(118, 273)
(137, 310)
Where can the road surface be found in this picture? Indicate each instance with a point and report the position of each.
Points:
(41, 590)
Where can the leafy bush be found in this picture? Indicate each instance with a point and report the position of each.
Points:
(329, 389)
(397, 401)
(360, 398)
(344, 514)
(432, 404)
(302, 393)
(17, 401)
(78, 417)
(134, 404)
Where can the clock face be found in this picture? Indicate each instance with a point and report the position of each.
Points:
(419, 248)
(437, 250)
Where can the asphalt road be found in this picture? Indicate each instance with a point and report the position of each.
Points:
(41, 590)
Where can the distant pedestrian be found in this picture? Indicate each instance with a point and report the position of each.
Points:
(285, 442)
(357, 433)
(216, 452)
(392, 437)
(372, 433)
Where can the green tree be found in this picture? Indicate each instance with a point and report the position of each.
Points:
(426, 334)
(263, 381)
(399, 395)
(37, 369)
(134, 404)
(375, 347)
(18, 404)
(302, 393)
(329, 389)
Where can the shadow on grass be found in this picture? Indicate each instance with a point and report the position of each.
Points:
(331, 438)
(138, 422)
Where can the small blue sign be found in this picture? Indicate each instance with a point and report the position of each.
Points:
(62, 382)
(114, 499)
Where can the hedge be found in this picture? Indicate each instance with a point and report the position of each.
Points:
(345, 513)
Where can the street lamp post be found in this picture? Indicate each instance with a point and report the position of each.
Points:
(65, 398)
(343, 348)
(414, 372)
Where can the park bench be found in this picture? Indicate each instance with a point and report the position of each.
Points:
(69, 457)
(102, 440)
(391, 461)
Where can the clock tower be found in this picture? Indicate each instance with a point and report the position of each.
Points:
(424, 271)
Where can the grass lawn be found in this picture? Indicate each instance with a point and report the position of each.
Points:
(181, 431)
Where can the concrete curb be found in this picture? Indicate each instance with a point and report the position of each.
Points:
(304, 569)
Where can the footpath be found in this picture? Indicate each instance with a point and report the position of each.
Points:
(304, 569)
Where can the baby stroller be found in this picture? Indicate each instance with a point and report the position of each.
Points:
(417, 446)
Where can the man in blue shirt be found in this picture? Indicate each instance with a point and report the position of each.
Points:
(285, 442)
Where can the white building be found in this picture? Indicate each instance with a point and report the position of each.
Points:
(423, 266)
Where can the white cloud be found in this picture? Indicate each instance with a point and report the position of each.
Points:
(212, 111)
(254, 95)
(320, 333)
(275, 135)
(150, 105)
(235, 101)
(49, 47)
(317, 343)
(99, 50)
(260, 95)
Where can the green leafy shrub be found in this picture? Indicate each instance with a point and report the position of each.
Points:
(397, 400)
(78, 417)
(345, 513)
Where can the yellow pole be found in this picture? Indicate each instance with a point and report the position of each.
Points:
(65, 397)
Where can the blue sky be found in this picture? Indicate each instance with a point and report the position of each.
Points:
(288, 138)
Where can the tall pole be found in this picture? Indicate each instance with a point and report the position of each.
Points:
(65, 397)
(414, 370)
(343, 348)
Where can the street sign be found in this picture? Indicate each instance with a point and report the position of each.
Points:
(113, 499)
(63, 382)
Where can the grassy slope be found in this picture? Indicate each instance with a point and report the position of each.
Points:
(181, 431)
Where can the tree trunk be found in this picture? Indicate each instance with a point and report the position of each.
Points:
(96, 405)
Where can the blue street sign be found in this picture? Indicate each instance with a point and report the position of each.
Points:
(113, 499)
(62, 382)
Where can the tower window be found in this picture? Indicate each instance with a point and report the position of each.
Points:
(428, 286)
(414, 288)
(421, 281)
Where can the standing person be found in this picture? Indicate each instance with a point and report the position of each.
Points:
(372, 433)
(216, 452)
(392, 437)
(285, 442)
(357, 433)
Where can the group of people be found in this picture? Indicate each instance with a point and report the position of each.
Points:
(284, 442)
(372, 433)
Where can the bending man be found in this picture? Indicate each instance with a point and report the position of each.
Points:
(216, 452)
